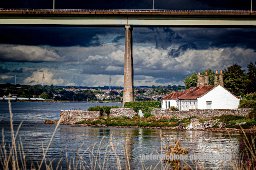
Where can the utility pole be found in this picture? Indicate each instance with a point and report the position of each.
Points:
(109, 87)
(15, 80)
(251, 6)
(53, 4)
(153, 4)
(43, 80)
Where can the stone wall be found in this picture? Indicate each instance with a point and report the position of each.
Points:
(199, 113)
(118, 112)
(74, 116)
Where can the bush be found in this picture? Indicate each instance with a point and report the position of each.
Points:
(145, 107)
(146, 115)
(104, 110)
(227, 118)
(252, 114)
(247, 103)
(173, 108)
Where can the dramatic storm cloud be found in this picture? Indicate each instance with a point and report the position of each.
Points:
(26, 53)
(43, 76)
(81, 56)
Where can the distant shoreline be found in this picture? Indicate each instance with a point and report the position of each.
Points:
(61, 101)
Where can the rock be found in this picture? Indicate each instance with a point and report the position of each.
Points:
(210, 123)
(221, 125)
(122, 112)
(202, 114)
(195, 125)
(74, 116)
(47, 121)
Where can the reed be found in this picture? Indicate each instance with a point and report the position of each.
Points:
(13, 156)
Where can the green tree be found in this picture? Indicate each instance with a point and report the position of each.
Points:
(251, 87)
(44, 95)
(191, 80)
(235, 80)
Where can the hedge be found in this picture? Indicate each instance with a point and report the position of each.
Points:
(104, 110)
(146, 107)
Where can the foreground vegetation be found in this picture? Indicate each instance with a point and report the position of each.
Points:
(13, 156)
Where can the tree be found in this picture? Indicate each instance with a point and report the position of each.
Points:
(44, 95)
(235, 80)
(251, 87)
(191, 80)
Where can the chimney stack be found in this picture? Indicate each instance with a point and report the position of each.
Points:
(206, 79)
(216, 82)
(221, 82)
(218, 78)
(200, 80)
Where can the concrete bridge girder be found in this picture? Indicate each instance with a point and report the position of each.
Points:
(122, 21)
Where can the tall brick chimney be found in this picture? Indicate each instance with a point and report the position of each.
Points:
(216, 81)
(200, 80)
(221, 82)
(206, 78)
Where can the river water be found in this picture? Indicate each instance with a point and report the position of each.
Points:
(106, 147)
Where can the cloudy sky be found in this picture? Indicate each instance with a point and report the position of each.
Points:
(88, 56)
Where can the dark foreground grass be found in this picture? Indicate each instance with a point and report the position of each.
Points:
(13, 156)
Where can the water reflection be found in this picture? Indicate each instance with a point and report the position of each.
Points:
(206, 149)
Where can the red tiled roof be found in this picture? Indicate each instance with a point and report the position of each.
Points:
(189, 94)
(196, 92)
(173, 95)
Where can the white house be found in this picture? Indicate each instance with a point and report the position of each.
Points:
(171, 100)
(203, 96)
(208, 97)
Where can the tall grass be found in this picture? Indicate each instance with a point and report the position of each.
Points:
(102, 155)
(13, 156)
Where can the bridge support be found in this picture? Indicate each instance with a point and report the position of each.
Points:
(128, 67)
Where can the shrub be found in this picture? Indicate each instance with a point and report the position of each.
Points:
(146, 115)
(247, 103)
(146, 107)
(227, 118)
(104, 110)
(252, 114)
(173, 108)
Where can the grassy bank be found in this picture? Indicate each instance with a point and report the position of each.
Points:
(150, 121)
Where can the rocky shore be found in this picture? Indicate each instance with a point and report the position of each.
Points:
(216, 121)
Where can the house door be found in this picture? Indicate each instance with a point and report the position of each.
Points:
(208, 104)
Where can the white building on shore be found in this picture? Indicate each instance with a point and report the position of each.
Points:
(203, 96)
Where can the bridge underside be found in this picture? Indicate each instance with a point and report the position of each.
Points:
(133, 21)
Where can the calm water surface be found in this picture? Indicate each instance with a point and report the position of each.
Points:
(144, 147)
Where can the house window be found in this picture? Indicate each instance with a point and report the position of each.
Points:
(208, 104)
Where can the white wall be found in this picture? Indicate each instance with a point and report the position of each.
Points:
(220, 98)
(185, 105)
(166, 104)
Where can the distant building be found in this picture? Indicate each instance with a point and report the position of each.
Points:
(204, 96)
